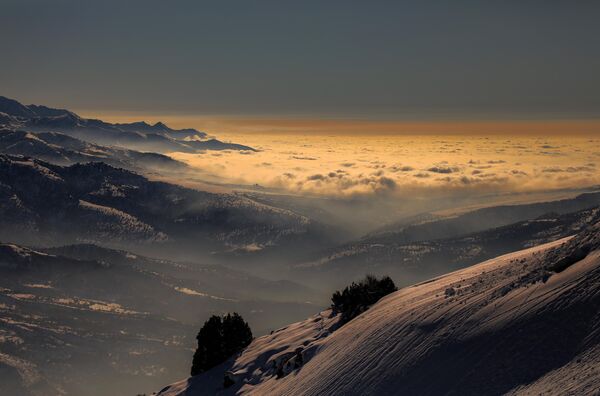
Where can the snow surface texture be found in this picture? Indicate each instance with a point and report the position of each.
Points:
(507, 325)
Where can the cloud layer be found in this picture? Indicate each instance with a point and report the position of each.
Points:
(401, 165)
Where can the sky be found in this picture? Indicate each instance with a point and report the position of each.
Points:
(368, 60)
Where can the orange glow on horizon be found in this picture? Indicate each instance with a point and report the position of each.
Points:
(218, 125)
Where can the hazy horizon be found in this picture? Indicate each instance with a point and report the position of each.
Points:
(287, 198)
(224, 124)
(466, 60)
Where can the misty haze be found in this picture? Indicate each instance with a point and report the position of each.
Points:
(313, 198)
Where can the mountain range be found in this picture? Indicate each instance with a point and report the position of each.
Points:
(43, 203)
(136, 135)
(107, 272)
(430, 246)
(62, 149)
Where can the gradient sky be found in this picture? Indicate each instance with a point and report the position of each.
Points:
(380, 59)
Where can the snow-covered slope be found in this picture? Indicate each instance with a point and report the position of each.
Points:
(73, 316)
(47, 204)
(523, 323)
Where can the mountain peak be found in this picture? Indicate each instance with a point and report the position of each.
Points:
(140, 135)
(15, 108)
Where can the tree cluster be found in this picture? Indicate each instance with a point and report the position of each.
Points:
(358, 297)
(220, 338)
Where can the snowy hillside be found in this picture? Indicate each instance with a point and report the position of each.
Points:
(47, 204)
(69, 319)
(523, 323)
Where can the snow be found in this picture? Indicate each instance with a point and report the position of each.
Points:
(264, 357)
(42, 170)
(192, 292)
(578, 377)
(113, 223)
(17, 251)
(74, 303)
(38, 286)
(501, 330)
(27, 371)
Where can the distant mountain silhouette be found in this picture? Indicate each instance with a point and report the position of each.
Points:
(428, 249)
(136, 135)
(62, 149)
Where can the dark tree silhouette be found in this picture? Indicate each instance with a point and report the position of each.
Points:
(236, 333)
(358, 297)
(218, 339)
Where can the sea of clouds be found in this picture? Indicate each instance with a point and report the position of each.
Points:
(351, 166)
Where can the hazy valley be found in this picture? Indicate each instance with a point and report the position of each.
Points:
(111, 260)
